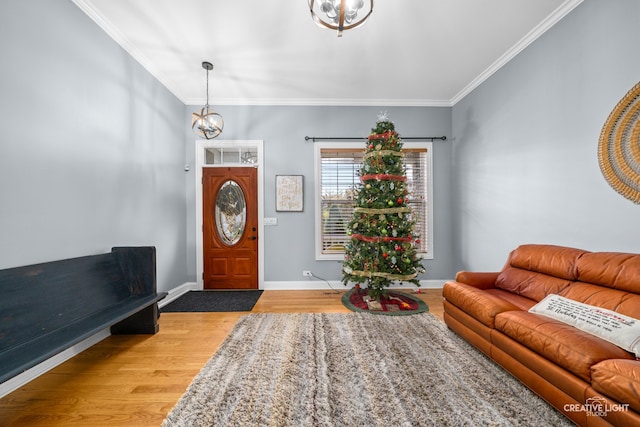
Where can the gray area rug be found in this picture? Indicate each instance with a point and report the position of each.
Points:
(354, 369)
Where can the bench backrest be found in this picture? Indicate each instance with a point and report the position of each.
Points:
(39, 298)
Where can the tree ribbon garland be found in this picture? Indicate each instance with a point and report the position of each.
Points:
(378, 239)
(404, 209)
(388, 134)
(382, 177)
(389, 276)
(379, 153)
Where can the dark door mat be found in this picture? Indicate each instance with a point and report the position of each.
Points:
(205, 301)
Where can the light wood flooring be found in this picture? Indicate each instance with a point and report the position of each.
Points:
(135, 380)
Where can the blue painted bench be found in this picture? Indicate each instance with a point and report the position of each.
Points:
(47, 308)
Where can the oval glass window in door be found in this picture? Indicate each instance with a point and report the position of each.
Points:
(230, 212)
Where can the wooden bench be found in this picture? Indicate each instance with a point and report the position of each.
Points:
(47, 308)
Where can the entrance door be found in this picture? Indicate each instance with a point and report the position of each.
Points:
(230, 227)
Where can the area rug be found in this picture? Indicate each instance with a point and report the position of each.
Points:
(354, 369)
(204, 301)
(395, 303)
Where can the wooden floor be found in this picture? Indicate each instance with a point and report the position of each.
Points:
(135, 380)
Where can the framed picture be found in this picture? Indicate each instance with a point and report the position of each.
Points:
(289, 193)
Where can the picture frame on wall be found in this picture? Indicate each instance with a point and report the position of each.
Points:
(289, 193)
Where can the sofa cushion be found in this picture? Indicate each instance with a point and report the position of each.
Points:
(618, 379)
(478, 279)
(611, 269)
(482, 305)
(621, 330)
(557, 261)
(562, 344)
(530, 284)
(611, 299)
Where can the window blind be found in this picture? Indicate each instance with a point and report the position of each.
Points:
(340, 181)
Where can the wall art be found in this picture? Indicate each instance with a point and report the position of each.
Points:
(619, 146)
(289, 193)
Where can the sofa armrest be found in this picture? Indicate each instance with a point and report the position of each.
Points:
(480, 280)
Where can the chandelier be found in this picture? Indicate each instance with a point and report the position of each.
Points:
(207, 123)
(340, 15)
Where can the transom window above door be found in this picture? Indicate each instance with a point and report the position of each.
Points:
(231, 155)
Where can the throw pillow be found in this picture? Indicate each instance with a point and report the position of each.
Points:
(621, 330)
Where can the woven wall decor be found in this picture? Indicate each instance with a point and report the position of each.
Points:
(619, 146)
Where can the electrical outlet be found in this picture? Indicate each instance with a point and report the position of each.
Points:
(307, 273)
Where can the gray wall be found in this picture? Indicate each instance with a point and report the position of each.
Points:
(289, 246)
(525, 167)
(91, 145)
(104, 164)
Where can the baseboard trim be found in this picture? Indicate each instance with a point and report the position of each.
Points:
(177, 292)
(314, 283)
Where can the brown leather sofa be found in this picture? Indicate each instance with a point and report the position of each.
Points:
(590, 380)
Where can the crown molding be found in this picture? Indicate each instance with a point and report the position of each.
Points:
(529, 38)
(124, 42)
(113, 32)
(562, 11)
(321, 102)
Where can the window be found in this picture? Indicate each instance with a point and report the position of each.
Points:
(234, 155)
(337, 183)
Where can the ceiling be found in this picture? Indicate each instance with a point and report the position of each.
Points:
(270, 52)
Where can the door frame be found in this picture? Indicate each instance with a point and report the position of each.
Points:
(201, 146)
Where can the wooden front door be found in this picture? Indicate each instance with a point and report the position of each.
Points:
(230, 227)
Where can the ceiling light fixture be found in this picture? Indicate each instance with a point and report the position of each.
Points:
(207, 123)
(340, 15)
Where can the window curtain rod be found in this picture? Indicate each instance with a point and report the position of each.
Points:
(404, 138)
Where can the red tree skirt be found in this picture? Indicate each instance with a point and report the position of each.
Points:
(395, 303)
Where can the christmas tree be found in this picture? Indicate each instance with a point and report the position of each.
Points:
(382, 248)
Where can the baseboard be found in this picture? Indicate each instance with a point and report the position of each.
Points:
(33, 373)
(312, 283)
(177, 292)
(315, 283)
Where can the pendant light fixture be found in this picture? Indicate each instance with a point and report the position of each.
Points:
(340, 15)
(207, 123)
